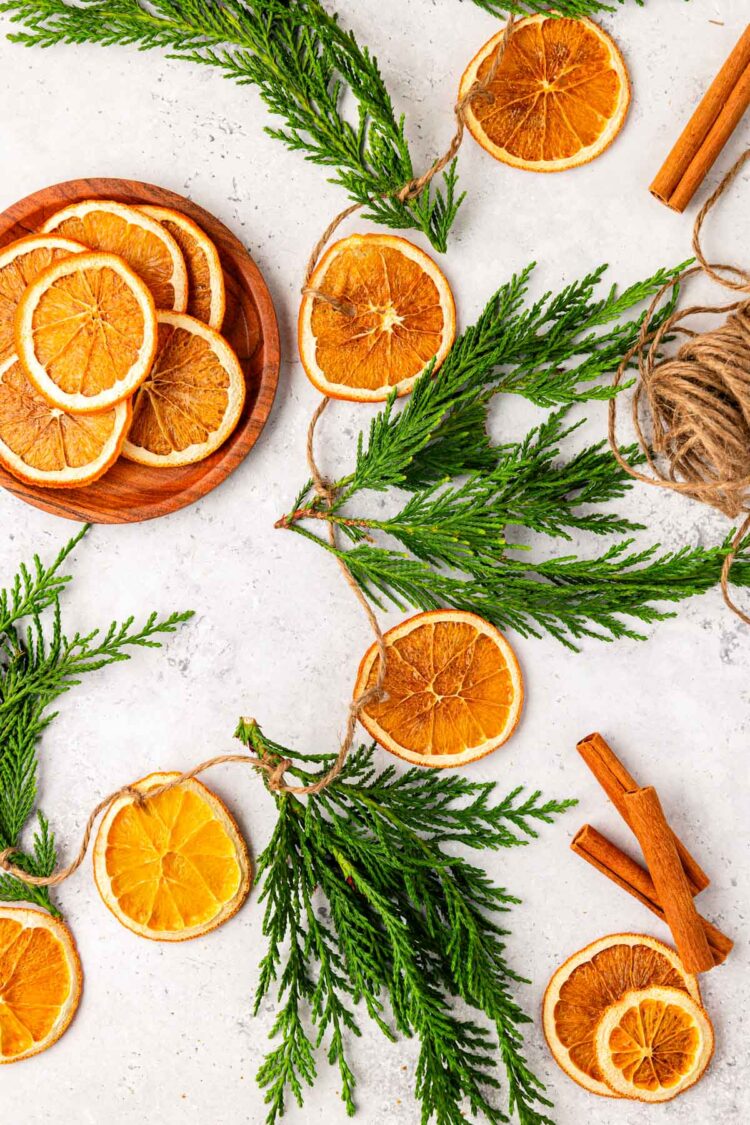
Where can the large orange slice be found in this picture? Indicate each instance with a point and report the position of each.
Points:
(452, 692)
(147, 247)
(396, 314)
(192, 399)
(206, 296)
(592, 980)
(20, 263)
(41, 444)
(86, 332)
(559, 98)
(654, 1044)
(40, 982)
(173, 867)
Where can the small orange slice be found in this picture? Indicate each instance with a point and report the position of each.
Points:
(654, 1044)
(592, 980)
(192, 399)
(206, 296)
(41, 444)
(453, 690)
(174, 867)
(86, 332)
(398, 314)
(147, 247)
(40, 982)
(20, 263)
(559, 98)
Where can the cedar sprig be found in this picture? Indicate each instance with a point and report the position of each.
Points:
(39, 663)
(302, 62)
(367, 902)
(573, 9)
(464, 495)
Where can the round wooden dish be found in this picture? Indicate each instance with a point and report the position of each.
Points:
(129, 493)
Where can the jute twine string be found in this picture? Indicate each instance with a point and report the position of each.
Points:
(275, 768)
(696, 402)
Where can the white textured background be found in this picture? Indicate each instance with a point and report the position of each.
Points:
(164, 1034)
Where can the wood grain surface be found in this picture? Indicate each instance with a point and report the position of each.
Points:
(129, 493)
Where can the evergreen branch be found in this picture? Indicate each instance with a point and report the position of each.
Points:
(363, 903)
(302, 63)
(38, 664)
(572, 9)
(552, 352)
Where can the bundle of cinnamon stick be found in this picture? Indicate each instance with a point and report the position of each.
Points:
(707, 131)
(671, 878)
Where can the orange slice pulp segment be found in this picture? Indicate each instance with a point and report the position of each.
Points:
(173, 867)
(40, 982)
(86, 332)
(654, 1044)
(192, 399)
(452, 691)
(397, 315)
(20, 263)
(558, 99)
(589, 982)
(41, 444)
(206, 294)
(147, 247)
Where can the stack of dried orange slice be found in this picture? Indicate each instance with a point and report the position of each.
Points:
(624, 1020)
(110, 345)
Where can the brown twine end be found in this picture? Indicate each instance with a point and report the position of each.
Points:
(696, 402)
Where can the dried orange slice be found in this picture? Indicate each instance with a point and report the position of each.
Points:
(452, 693)
(175, 866)
(146, 246)
(398, 314)
(206, 296)
(559, 98)
(192, 399)
(41, 444)
(654, 1044)
(20, 263)
(86, 332)
(589, 982)
(40, 981)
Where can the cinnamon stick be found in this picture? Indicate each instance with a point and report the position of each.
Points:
(707, 131)
(616, 782)
(646, 818)
(621, 869)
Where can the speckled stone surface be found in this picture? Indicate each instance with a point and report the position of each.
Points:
(164, 1034)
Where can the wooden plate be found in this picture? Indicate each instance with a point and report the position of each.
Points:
(129, 493)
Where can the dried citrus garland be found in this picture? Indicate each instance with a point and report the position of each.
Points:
(109, 345)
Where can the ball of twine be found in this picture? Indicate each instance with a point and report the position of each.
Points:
(691, 409)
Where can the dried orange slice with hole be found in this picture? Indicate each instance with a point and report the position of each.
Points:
(42, 444)
(191, 401)
(559, 98)
(589, 982)
(206, 296)
(146, 245)
(453, 690)
(174, 867)
(86, 332)
(20, 264)
(398, 315)
(654, 1044)
(40, 981)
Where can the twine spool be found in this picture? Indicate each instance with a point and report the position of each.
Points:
(691, 409)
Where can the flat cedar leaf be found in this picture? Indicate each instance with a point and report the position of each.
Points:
(367, 901)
